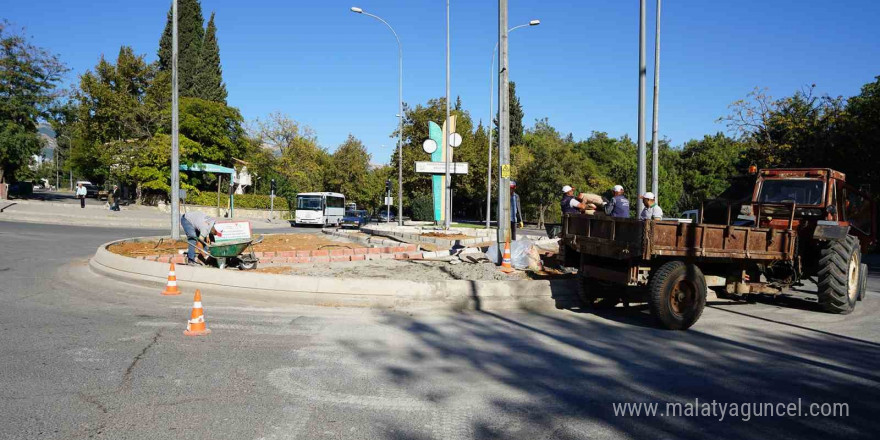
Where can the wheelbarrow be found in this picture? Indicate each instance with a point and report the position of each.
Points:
(231, 253)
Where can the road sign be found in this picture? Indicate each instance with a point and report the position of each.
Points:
(389, 201)
(454, 140)
(440, 167)
(430, 146)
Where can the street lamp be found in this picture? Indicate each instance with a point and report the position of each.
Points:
(491, 93)
(357, 10)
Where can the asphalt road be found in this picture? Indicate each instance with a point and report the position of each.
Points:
(85, 357)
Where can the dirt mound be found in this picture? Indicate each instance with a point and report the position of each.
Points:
(271, 243)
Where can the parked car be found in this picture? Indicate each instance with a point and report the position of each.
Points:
(382, 216)
(92, 190)
(354, 219)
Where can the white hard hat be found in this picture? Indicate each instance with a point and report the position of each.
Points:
(566, 188)
(649, 195)
(617, 188)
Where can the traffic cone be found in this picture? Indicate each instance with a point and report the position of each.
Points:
(171, 287)
(505, 262)
(196, 325)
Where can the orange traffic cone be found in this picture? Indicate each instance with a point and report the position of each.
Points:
(196, 325)
(171, 287)
(505, 262)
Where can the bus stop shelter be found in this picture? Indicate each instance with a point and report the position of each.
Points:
(216, 169)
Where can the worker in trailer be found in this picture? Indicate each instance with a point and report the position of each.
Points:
(652, 209)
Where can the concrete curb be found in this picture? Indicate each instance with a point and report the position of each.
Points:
(362, 292)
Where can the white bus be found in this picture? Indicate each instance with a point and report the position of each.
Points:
(319, 208)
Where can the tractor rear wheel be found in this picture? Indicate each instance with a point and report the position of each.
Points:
(839, 275)
(863, 281)
(677, 295)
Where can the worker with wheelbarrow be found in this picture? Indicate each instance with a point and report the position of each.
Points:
(197, 225)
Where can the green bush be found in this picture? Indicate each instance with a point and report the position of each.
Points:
(423, 208)
(242, 201)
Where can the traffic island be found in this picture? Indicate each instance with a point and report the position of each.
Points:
(395, 288)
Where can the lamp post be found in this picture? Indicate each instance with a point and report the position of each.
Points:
(448, 188)
(357, 10)
(491, 93)
(175, 157)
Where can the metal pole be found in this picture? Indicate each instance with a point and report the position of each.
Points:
(56, 166)
(641, 139)
(175, 166)
(491, 115)
(399, 133)
(503, 130)
(448, 130)
(655, 148)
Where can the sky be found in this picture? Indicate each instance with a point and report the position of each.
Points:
(337, 72)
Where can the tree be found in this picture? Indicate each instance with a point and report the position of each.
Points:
(516, 117)
(350, 171)
(209, 80)
(28, 77)
(190, 35)
(707, 165)
(282, 132)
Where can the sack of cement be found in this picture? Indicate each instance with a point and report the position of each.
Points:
(594, 199)
(547, 245)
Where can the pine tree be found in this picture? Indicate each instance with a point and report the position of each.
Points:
(516, 117)
(190, 35)
(209, 82)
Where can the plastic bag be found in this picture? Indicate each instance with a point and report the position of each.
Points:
(520, 253)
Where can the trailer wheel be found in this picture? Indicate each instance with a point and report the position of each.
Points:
(677, 295)
(839, 267)
(596, 294)
(863, 281)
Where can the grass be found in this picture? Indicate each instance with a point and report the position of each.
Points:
(468, 225)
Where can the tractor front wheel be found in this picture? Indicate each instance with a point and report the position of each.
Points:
(840, 264)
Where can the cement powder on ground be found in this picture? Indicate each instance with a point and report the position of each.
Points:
(415, 270)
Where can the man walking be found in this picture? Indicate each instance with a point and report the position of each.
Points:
(81, 194)
(195, 225)
(619, 205)
(515, 210)
(652, 209)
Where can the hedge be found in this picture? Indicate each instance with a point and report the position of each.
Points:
(242, 201)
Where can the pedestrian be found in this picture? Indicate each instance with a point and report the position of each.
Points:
(113, 198)
(652, 209)
(619, 204)
(81, 194)
(197, 225)
(570, 204)
(515, 211)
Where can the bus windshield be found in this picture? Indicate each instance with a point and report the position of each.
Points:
(310, 203)
(800, 191)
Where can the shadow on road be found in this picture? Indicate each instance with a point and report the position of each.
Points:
(560, 373)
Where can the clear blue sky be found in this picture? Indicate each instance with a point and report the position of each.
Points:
(337, 71)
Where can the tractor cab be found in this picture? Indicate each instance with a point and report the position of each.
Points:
(817, 202)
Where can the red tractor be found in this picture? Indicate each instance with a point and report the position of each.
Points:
(834, 221)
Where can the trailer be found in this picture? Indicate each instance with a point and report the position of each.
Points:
(807, 224)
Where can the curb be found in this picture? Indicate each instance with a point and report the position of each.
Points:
(355, 292)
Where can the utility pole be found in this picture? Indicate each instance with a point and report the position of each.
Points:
(642, 71)
(448, 130)
(655, 148)
(175, 165)
(503, 131)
